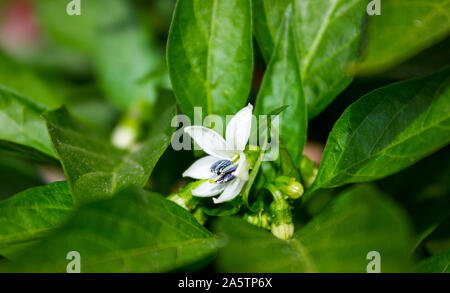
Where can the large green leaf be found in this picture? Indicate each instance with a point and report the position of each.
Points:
(210, 55)
(328, 34)
(136, 231)
(282, 85)
(93, 166)
(338, 240)
(387, 130)
(404, 28)
(439, 263)
(267, 17)
(30, 215)
(428, 199)
(22, 129)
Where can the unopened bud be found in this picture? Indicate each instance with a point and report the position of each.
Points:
(280, 215)
(259, 220)
(283, 230)
(131, 125)
(280, 212)
(123, 137)
(308, 170)
(289, 186)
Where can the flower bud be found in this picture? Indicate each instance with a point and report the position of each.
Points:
(289, 186)
(283, 230)
(259, 219)
(308, 170)
(124, 136)
(280, 212)
(131, 125)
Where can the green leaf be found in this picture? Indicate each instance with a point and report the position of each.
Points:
(93, 166)
(430, 220)
(277, 111)
(124, 55)
(427, 200)
(136, 231)
(282, 85)
(22, 129)
(403, 29)
(267, 17)
(17, 175)
(30, 215)
(122, 51)
(210, 55)
(338, 240)
(328, 35)
(439, 263)
(287, 165)
(387, 130)
(25, 81)
(98, 113)
(438, 241)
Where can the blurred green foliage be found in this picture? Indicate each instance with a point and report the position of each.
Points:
(67, 84)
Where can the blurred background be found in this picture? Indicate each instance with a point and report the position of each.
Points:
(99, 74)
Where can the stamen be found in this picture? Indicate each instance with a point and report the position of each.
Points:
(231, 169)
(223, 170)
(223, 166)
(225, 178)
(219, 166)
(214, 166)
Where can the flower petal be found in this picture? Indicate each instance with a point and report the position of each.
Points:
(231, 191)
(207, 189)
(209, 140)
(201, 168)
(238, 129)
(243, 167)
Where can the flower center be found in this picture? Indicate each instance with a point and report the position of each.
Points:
(223, 170)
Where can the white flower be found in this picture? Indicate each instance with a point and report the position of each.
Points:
(226, 167)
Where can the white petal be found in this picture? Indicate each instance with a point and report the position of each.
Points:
(231, 191)
(243, 167)
(201, 168)
(207, 189)
(209, 140)
(238, 129)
